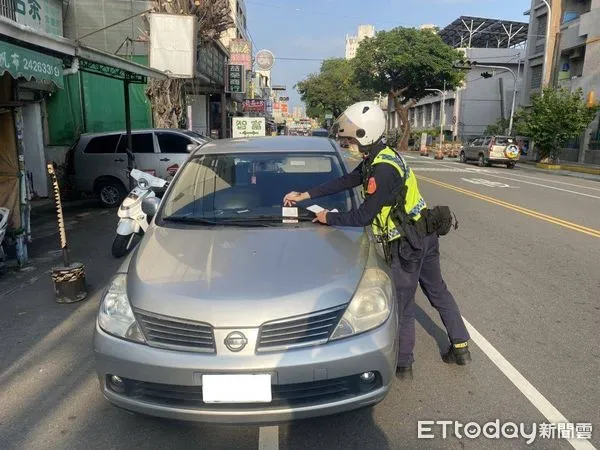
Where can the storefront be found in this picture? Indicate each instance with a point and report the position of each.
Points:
(32, 67)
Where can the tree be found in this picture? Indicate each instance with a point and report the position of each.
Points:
(499, 127)
(403, 63)
(554, 118)
(331, 90)
(166, 96)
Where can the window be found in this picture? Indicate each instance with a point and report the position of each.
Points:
(536, 77)
(142, 143)
(103, 144)
(173, 143)
(243, 186)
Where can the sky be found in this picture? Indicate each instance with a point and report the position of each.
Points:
(310, 30)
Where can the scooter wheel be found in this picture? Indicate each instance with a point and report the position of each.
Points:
(119, 246)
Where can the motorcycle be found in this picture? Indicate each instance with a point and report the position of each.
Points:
(133, 220)
(4, 212)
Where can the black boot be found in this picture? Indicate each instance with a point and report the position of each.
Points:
(404, 373)
(458, 354)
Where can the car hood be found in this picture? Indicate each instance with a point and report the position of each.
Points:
(243, 277)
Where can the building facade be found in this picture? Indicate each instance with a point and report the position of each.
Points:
(572, 61)
(352, 42)
(36, 61)
(487, 92)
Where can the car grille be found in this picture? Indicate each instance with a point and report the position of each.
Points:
(176, 334)
(299, 394)
(299, 331)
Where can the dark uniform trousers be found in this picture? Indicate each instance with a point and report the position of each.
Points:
(413, 267)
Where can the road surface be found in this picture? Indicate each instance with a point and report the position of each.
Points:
(523, 265)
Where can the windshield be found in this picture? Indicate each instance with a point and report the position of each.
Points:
(250, 186)
(502, 140)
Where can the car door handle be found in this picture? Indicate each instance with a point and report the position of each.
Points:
(119, 160)
(165, 159)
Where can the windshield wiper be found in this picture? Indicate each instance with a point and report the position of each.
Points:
(266, 218)
(188, 219)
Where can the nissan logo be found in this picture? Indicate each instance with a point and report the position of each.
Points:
(236, 341)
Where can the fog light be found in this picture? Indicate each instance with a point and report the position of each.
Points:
(117, 384)
(367, 377)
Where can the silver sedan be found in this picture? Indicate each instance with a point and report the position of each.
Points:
(233, 309)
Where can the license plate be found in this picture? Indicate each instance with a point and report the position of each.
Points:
(237, 388)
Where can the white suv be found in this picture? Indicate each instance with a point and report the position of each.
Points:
(97, 163)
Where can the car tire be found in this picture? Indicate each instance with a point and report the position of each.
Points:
(463, 157)
(511, 165)
(481, 160)
(110, 193)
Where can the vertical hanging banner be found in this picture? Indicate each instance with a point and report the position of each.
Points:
(236, 79)
(240, 52)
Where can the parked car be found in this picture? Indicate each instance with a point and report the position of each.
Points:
(97, 163)
(489, 150)
(321, 132)
(229, 312)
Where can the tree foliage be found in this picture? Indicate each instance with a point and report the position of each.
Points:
(499, 127)
(331, 90)
(403, 63)
(554, 118)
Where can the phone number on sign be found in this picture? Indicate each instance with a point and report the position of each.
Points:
(36, 66)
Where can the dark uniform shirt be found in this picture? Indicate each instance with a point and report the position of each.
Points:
(387, 183)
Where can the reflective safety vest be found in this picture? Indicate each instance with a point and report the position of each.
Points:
(383, 226)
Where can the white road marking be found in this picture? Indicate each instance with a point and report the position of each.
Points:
(268, 438)
(488, 183)
(527, 389)
(442, 169)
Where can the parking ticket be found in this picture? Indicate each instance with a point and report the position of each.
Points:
(317, 209)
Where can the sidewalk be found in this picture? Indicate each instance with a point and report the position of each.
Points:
(586, 171)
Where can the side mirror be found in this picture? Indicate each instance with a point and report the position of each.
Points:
(191, 147)
(150, 206)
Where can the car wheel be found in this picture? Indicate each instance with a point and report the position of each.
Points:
(110, 193)
(511, 165)
(463, 157)
(481, 160)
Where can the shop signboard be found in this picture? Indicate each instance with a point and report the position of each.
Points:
(244, 127)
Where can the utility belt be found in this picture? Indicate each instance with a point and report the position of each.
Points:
(438, 220)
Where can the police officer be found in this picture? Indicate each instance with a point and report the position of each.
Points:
(389, 186)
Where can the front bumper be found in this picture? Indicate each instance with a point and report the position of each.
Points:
(306, 382)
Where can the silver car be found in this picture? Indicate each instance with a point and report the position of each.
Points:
(233, 309)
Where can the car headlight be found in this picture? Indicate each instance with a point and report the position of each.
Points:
(370, 307)
(115, 315)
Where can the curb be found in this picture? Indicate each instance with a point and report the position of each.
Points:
(565, 167)
(548, 166)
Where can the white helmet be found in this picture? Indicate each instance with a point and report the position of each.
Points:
(363, 121)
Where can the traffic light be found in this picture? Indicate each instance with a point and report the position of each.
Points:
(487, 75)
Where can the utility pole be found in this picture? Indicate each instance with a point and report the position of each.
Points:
(440, 154)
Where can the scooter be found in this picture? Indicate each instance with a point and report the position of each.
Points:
(133, 221)
(4, 212)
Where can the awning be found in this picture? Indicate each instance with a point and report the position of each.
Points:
(57, 47)
(22, 62)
